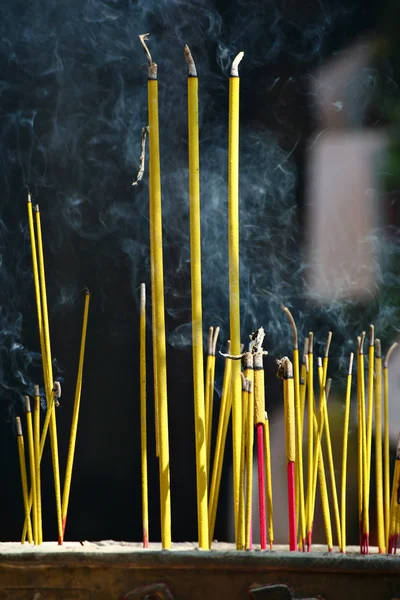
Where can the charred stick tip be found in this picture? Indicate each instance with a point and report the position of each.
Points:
(152, 65)
(19, 426)
(378, 352)
(27, 404)
(328, 344)
(389, 354)
(235, 64)
(328, 388)
(351, 363)
(142, 296)
(371, 334)
(285, 368)
(190, 62)
(293, 326)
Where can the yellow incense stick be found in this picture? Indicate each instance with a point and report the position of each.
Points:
(143, 416)
(36, 437)
(310, 404)
(207, 393)
(378, 447)
(359, 446)
(303, 387)
(300, 507)
(331, 465)
(365, 468)
(32, 470)
(344, 454)
(202, 467)
(241, 541)
(233, 252)
(268, 482)
(318, 441)
(24, 479)
(209, 419)
(249, 435)
(326, 358)
(75, 416)
(367, 461)
(158, 274)
(224, 414)
(49, 386)
(386, 442)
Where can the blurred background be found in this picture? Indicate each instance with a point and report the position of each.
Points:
(319, 211)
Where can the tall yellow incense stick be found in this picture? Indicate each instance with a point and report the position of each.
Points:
(310, 393)
(378, 447)
(224, 414)
(143, 416)
(241, 531)
(386, 443)
(300, 508)
(157, 268)
(344, 454)
(49, 386)
(202, 464)
(32, 470)
(233, 251)
(24, 479)
(363, 424)
(36, 432)
(369, 417)
(75, 415)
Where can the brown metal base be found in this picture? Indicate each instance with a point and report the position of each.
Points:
(111, 570)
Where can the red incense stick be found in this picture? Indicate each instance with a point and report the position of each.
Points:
(261, 486)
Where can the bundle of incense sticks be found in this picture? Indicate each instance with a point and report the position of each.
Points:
(306, 387)
(36, 434)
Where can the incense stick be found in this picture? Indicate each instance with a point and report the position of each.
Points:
(75, 415)
(371, 348)
(32, 470)
(143, 417)
(268, 480)
(224, 415)
(378, 447)
(49, 386)
(36, 431)
(259, 420)
(158, 280)
(233, 253)
(202, 459)
(344, 453)
(209, 414)
(249, 433)
(386, 446)
(24, 479)
(310, 404)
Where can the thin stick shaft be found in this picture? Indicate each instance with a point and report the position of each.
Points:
(32, 471)
(24, 479)
(344, 455)
(158, 275)
(75, 416)
(36, 431)
(378, 448)
(143, 416)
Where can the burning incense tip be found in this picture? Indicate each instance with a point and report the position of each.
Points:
(378, 352)
(389, 354)
(142, 296)
(351, 363)
(190, 62)
(310, 342)
(292, 324)
(235, 65)
(27, 404)
(19, 426)
(371, 334)
(328, 344)
(36, 390)
(285, 368)
(328, 388)
(319, 361)
(152, 65)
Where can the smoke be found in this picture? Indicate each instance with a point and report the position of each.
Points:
(73, 101)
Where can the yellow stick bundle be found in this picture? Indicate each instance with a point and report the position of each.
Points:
(49, 378)
(143, 416)
(157, 269)
(224, 415)
(233, 252)
(24, 479)
(75, 416)
(344, 454)
(36, 436)
(32, 470)
(378, 447)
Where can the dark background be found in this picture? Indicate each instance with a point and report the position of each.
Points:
(72, 104)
